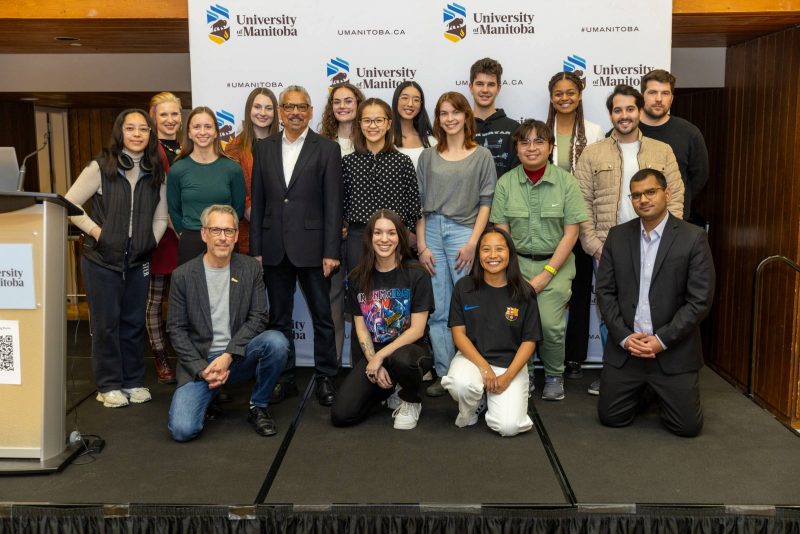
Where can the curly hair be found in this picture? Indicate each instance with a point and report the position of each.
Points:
(329, 126)
(578, 128)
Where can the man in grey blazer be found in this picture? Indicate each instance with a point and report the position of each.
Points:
(217, 324)
(655, 283)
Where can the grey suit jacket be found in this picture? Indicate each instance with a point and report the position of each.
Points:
(189, 319)
(681, 291)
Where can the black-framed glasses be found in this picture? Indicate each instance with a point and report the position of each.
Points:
(647, 193)
(378, 121)
(299, 107)
(216, 231)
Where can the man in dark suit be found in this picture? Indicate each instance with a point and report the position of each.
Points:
(655, 283)
(217, 324)
(295, 230)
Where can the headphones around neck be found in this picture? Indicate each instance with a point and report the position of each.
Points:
(125, 162)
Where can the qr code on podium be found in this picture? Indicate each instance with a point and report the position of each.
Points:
(7, 353)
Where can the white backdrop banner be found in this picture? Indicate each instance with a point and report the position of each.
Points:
(238, 45)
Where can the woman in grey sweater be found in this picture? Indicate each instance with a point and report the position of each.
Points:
(456, 181)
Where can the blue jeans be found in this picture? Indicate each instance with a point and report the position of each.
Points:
(444, 237)
(602, 326)
(264, 358)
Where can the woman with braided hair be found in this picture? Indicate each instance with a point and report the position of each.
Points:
(565, 118)
(573, 133)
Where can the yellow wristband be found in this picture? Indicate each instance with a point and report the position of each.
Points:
(550, 269)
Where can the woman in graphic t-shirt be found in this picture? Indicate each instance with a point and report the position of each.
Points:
(390, 296)
(495, 325)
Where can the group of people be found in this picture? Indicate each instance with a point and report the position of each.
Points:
(456, 247)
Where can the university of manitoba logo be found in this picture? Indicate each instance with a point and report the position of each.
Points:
(338, 71)
(225, 121)
(455, 22)
(576, 64)
(217, 17)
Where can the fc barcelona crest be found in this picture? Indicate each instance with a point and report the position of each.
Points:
(512, 313)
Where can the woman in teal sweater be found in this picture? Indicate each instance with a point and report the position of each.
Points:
(200, 177)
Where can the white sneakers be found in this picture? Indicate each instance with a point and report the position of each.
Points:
(462, 421)
(118, 398)
(138, 395)
(112, 399)
(406, 415)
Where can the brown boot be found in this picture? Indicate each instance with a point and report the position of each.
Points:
(166, 374)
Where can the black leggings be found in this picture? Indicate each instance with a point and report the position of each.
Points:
(357, 396)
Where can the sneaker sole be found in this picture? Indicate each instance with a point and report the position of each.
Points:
(138, 401)
(594, 392)
(562, 397)
(108, 404)
(405, 427)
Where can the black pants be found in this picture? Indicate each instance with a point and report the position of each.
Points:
(190, 245)
(678, 396)
(117, 303)
(576, 343)
(357, 396)
(353, 252)
(280, 281)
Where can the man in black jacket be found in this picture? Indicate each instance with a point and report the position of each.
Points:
(296, 229)
(655, 283)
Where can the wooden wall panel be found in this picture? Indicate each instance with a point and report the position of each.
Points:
(19, 131)
(753, 205)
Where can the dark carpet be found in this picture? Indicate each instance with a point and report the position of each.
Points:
(742, 456)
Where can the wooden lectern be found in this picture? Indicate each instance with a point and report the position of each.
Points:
(32, 412)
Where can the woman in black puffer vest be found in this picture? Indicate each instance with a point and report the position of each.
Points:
(126, 219)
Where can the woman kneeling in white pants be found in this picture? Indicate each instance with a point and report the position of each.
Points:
(494, 320)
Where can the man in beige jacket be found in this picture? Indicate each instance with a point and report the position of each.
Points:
(604, 173)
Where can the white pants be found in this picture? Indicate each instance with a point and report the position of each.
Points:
(507, 412)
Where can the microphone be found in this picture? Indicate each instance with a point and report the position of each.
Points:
(22, 169)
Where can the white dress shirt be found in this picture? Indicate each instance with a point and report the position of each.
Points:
(290, 151)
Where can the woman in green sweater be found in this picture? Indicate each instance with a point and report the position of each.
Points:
(200, 177)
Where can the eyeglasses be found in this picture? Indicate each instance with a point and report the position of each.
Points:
(213, 230)
(648, 194)
(378, 121)
(130, 129)
(299, 107)
(538, 142)
(413, 99)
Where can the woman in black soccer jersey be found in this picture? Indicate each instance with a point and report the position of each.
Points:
(495, 324)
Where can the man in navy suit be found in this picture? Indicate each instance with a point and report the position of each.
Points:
(655, 283)
(217, 324)
(295, 230)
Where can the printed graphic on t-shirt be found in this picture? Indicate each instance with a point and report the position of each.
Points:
(386, 312)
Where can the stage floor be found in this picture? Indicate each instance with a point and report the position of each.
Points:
(743, 456)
